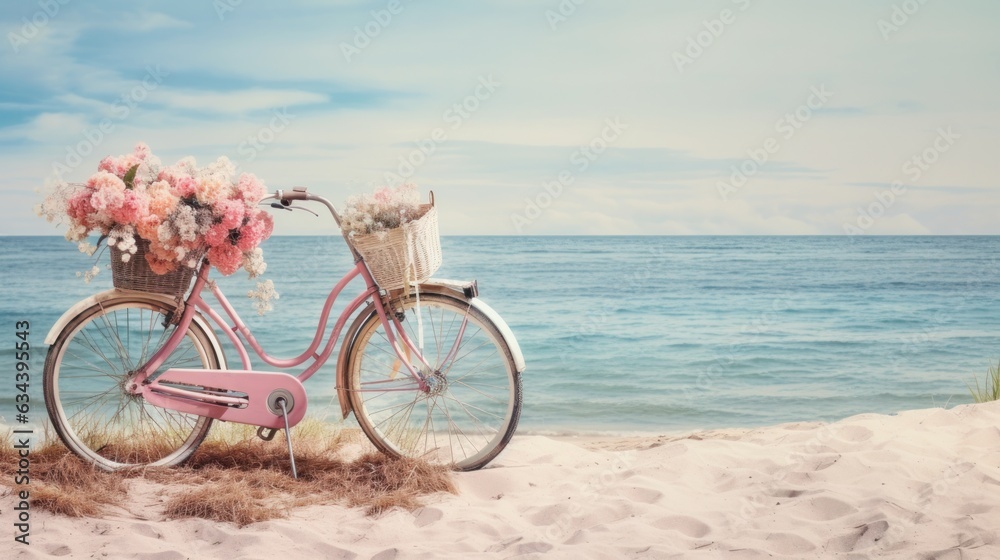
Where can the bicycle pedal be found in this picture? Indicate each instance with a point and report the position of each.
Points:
(269, 431)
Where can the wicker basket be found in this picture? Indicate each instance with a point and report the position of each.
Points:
(136, 274)
(409, 253)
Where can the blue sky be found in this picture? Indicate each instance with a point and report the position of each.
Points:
(531, 117)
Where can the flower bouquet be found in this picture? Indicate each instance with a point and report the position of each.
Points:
(159, 221)
(395, 234)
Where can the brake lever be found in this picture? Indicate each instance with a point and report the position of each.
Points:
(280, 206)
(303, 208)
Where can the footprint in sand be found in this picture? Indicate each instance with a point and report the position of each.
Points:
(427, 516)
(862, 537)
(853, 434)
(147, 531)
(642, 494)
(975, 509)
(387, 554)
(788, 544)
(165, 555)
(788, 493)
(683, 524)
(823, 508)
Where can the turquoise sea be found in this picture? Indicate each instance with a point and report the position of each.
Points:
(638, 334)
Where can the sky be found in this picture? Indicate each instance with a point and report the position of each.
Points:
(564, 117)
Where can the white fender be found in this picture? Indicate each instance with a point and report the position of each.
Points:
(508, 335)
(469, 291)
(113, 293)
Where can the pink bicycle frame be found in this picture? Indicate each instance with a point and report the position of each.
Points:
(195, 302)
(174, 393)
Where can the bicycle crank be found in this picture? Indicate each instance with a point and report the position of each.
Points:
(246, 397)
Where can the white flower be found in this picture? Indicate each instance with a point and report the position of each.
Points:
(90, 274)
(86, 248)
(385, 210)
(263, 295)
(253, 262)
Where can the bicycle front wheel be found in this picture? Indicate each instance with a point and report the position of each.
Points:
(467, 408)
(88, 370)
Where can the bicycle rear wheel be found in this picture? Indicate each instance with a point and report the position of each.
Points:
(469, 407)
(87, 371)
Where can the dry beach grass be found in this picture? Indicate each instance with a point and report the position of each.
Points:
(235, 477)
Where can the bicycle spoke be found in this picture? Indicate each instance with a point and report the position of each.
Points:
(468, 405)
(94, 414)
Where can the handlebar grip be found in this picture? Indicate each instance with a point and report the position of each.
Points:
(297, 193)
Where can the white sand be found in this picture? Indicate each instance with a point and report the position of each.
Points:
(921, 484)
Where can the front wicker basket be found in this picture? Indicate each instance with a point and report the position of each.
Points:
(409, 253)
(136, 274)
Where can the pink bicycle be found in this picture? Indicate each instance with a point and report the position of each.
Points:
(136, 378)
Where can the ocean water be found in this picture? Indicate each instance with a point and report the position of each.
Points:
(640, 334)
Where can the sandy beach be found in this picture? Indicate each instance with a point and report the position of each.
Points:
(920, 484)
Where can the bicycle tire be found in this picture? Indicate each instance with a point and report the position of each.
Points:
(86, 372)
(476, 410)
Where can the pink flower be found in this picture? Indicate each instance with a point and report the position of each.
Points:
(105, 180)
(211, 190)
(141, 151)
(160, 265)
(133, 209)
(255, 231)
(148, 227)
(185, 186)
(230, 212)
(108, 200)
(161, 200)
(226, 258)
(250, 189)
(217, 235)
(384, 196)
(79, 209)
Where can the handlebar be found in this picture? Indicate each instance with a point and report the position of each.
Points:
(285, 198)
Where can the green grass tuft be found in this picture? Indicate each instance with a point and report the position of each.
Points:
(990, 390)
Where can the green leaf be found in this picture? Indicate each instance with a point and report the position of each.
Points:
(130, 177)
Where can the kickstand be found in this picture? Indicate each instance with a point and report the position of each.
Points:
(288, 435)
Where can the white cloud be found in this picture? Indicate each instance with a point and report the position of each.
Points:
(235, 102)
(556, 88)
(48, 128)
(149, 21)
